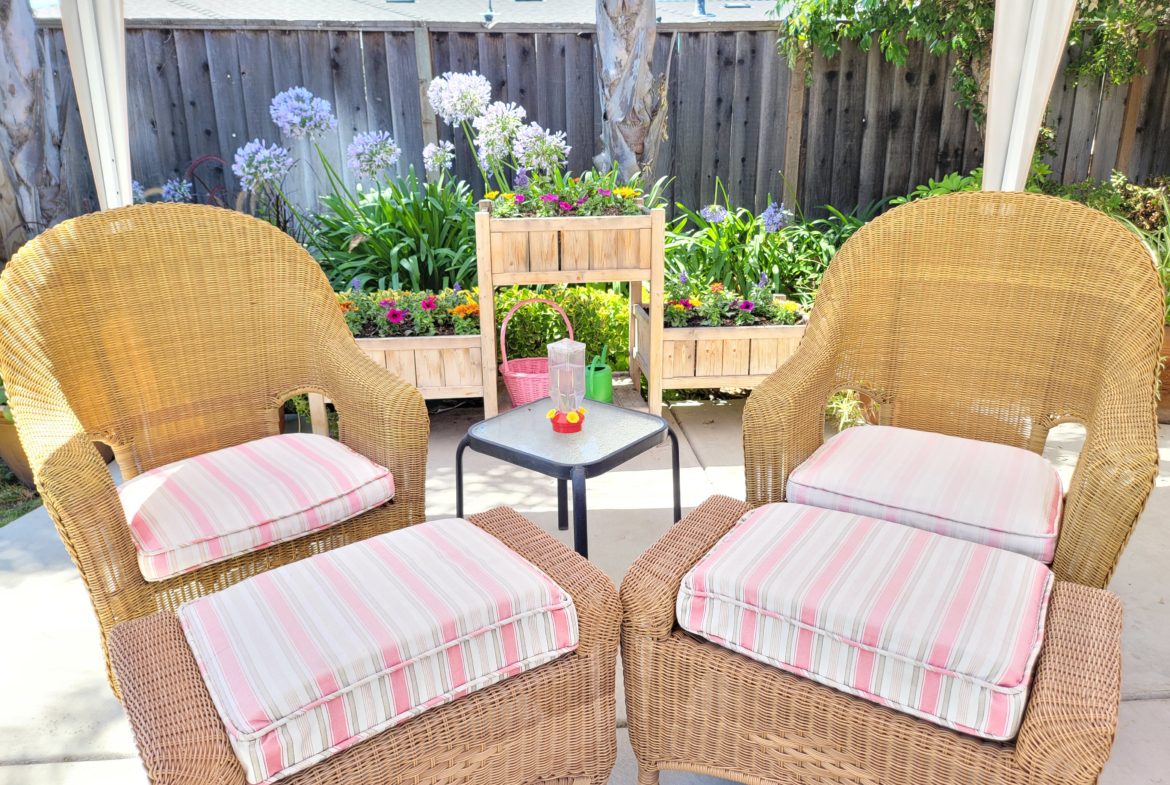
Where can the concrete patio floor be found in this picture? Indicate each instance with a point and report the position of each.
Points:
(60, 725)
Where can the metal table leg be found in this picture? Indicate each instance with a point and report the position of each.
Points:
(580, 534)
(674, 472)
(562, 505)
(459, 475)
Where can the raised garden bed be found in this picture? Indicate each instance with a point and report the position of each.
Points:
(711, 357)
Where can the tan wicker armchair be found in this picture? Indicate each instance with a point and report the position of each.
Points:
(168, 331)
(991, 316)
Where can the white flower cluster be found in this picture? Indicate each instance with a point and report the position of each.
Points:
(495, 130)
(457, 97)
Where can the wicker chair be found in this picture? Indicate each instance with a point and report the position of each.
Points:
(167, 331)
(991, 316)
(555, 724)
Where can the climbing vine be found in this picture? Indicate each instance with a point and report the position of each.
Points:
(1113, 34)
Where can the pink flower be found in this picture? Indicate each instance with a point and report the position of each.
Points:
(429, 303)
(395, 316)
(746, 305)
(565, 205)
(686, 303)
(604, 192)
(387, 303)
(519, 198)
(549, 198)
(582, 200)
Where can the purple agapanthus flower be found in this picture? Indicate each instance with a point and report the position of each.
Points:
(775, 217)
(682, 278)
(520, 179)
(715, 213)
(536, 148)
(763, 280)
(258, 164)
(137, 192)
(457, 287)
(438, 156)
(356, 285)
(372, 153)
(298, 113)
(177, 189)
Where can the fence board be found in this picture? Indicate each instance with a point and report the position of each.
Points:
(869, 129)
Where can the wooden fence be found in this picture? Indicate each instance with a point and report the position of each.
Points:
(858, 130)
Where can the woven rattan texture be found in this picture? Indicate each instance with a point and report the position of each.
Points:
(992, 316)
(172, 330)
(555, 724)
(694, 706)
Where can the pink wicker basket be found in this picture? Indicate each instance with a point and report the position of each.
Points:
(527, 377)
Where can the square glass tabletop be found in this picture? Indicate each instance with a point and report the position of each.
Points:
(609, 436)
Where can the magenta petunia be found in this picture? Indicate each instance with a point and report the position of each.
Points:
(604, 192)
(686, 303)
(566, 205)
(395, 316)
(429, 303)
(746, 305)
(387, 303)
(550, 198)
(582, 200)
(519, 198)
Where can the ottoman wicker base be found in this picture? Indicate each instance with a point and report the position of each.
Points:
(555, 724)
(698, 707)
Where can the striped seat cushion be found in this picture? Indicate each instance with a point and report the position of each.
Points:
(212, 507)
(310, 658)
(936, 627)
(978, 491)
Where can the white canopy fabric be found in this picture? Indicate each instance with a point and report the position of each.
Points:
(96, 39)
(1027, 44)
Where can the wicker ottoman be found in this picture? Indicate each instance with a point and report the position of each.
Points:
(552, 724)
(695, 706)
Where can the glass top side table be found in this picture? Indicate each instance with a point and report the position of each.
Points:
(611, 436)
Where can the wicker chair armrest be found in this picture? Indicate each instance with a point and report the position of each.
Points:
(179, 733)
(1112, 481)
(599, 612)
(1068, 728)
(381, 417)
(650, 587)
(784, 419)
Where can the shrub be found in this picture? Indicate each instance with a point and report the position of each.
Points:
(598, 316)
(405, 234)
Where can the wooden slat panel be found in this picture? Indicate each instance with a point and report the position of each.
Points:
(878, 95)
(736, 357)
(850, 120)
(428, 368)
(509, 252)
(708, 358)
(903, 113)
(928, 119)
(574, 250)
(603, 250)
(543, 251)
(401, 364)
(461, 367)
(765, 354)
(817, 179)
(681, 360)
(201, 119)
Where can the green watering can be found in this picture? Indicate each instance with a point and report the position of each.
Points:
(599, 378)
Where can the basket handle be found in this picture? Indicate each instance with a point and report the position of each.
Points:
(512, 310)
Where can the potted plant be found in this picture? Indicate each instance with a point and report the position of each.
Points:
(716, 337)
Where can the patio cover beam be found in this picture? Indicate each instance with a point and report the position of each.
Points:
(95, 36)
(1027, 42)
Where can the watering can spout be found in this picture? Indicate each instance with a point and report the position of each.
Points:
(599, 378)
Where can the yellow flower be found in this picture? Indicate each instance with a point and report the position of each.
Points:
(695, 303)
(573, 418)
(581, 409)
(552, 413)
(509, 195)
(625, 192)
(677, 306)
(791, 306)
(491, 194)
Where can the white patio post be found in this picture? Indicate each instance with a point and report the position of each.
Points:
(95, 36)
(1027, 43)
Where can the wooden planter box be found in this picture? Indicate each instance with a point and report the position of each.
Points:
(1164, 397)
(710, 357)
(440, 366)
(536, 251)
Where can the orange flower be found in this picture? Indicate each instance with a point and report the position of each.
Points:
(465, 310)
(346, 306)
(716, 287)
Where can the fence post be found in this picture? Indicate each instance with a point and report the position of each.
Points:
(794, 132)
(422, 58)
(1134, 100)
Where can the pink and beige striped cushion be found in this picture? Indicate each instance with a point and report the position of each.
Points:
(218, 505)
(310, 658)
(978, 491)
(936, 627)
